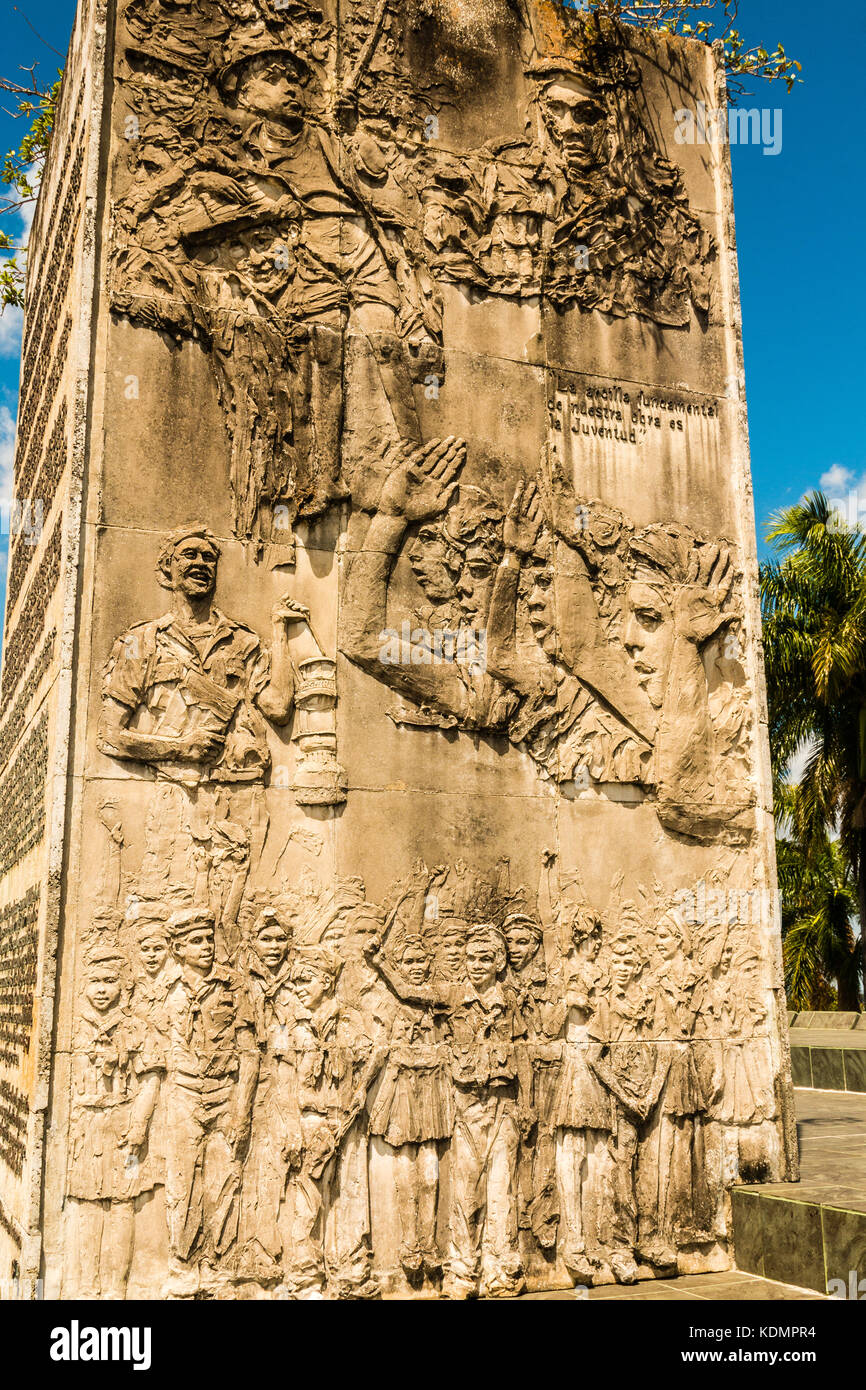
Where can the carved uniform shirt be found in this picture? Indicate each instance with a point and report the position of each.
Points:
(334, 256)
(413, 1103)
(147, 1002)
(273, 1002)
(673, 1023)
(149, 993)
(176, 679)
(112, 1055)
(620, 1024)
(329, 1046)
(581, 1101)
(276, 1121)
(528, 990)
(483, 1032)
(208, 1024)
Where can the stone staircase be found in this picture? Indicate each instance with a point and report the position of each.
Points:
(828, 1051)
(813, 1233)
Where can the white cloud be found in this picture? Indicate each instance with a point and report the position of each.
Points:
(7, 459)
(12, 319)
(836, 478)
(27, 214)
(11, 326)
(846, 493)
(28, 211)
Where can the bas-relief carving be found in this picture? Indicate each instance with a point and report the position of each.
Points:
(187, 697)
(585, 1079)
(289, 207)
(548, 1086)
(466, 1086)
(609, 654)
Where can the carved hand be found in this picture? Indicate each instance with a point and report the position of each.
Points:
(197, 746)
(524, 520)
(289, 610)
(556, 491)
(322, 1149)
(134, 1142)
(698, 605)
(372, 948)
(422, 485)
(220, 185)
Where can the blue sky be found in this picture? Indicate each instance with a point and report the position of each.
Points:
(800, 231)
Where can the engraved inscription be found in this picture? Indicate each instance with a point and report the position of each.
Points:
(18, 952)
(22, 790)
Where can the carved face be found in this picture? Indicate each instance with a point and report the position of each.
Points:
(265, 256)
(150, 162)
(194, 568)
(522, 945)
(475, 586)
(589, 946)
(623, 967)
(481, 964)
(434, 564)
(364, 933)
(451, 956)
(271, 88)
(312, 986)
(103, 988)
(572, 115)
(415, 965)
(153, 951)
(540, 606)
(668, 942)
(196, 949)
(334, 936)
(649, 638)
(272, 945)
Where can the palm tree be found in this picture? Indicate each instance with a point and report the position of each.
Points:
(814, 609)
(819, 908)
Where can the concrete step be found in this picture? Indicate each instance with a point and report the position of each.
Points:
(834, 1019)
(812, 1234)
(823, 1062)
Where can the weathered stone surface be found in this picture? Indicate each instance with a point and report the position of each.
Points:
(388, 896)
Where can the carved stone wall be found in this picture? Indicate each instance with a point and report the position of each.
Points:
(35, 692)
(418, 900)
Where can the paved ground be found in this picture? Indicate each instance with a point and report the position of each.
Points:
(831, 1127)
(713, 1288)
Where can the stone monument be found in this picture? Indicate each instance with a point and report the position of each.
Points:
(388, 893)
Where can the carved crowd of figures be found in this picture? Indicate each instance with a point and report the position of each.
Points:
(464, 1082)
(253, 1052)
(584, 1083)
(610, 655)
